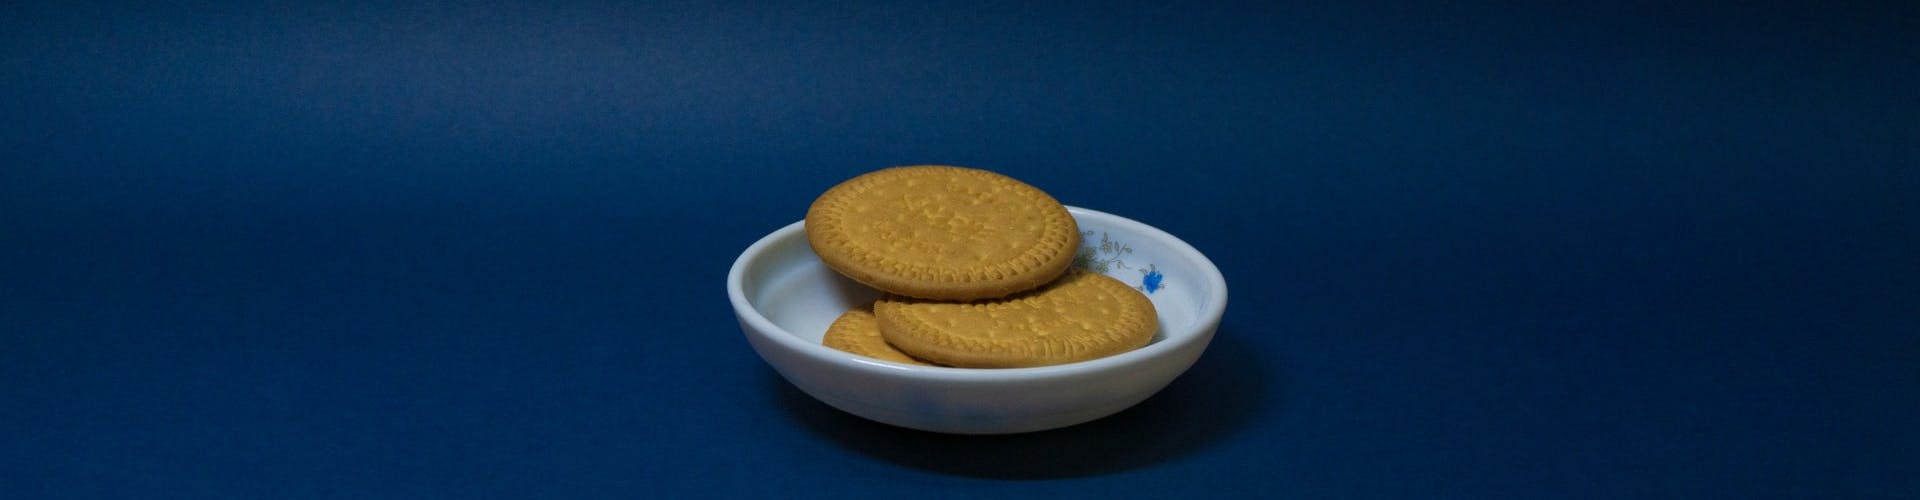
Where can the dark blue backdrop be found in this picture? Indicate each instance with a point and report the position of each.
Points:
(419, 250)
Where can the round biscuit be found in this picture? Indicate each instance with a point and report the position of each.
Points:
(941, 232)
(858, 332)
(1082, 316)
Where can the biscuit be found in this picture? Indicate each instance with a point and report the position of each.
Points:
(858, 332)
(1082, 316)
(942, 233)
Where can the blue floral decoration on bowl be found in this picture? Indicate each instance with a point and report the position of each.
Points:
(1150, 279)
(1108, 255)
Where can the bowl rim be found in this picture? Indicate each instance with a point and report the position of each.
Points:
(1207, 317)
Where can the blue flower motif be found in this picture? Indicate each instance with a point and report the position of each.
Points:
(1151, 281)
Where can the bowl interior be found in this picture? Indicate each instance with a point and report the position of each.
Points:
(789, 285)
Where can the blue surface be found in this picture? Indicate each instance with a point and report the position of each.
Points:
(414, 251)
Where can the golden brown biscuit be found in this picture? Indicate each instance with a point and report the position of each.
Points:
(944, 233)
(857, 332)
(1081, 316)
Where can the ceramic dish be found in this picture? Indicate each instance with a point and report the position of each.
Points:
(784, 298)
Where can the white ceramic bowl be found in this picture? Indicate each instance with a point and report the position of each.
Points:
(785, 297)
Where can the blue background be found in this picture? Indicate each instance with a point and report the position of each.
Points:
(442, 250)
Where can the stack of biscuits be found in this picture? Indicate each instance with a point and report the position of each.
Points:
(976, 270)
